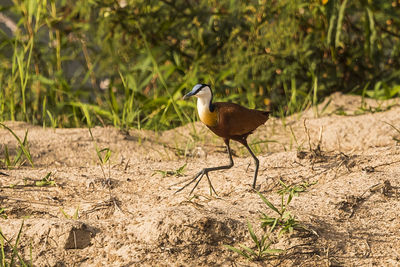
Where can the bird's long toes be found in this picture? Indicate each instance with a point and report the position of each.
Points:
(202, 172)
(198, 178)
(211, 186)
(186, 185)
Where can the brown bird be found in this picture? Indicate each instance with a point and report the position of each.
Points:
(227, 120)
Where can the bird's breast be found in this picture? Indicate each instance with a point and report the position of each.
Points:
(209, 118)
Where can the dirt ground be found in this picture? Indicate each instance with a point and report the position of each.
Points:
(349, 156)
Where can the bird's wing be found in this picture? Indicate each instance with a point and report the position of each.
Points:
(236, 120)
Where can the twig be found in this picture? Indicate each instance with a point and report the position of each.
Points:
(308, 134)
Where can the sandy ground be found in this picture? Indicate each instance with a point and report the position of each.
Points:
(349, 156)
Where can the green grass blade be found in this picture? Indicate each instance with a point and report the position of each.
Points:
(249, 250)
(15, 250)
(273, 251)
(252, 234)
(86, 113)
(7, 156)
(22, 146)
(330, 29)
(64, 213)
(339, 24)
(76, 214)
(238, 251)
(373, 35)
(391, 125)
(274, 224)
(269, 204)
(3, 256)
(44, 112)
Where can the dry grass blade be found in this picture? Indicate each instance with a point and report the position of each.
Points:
(395, 128)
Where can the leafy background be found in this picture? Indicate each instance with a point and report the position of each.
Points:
(127, 63)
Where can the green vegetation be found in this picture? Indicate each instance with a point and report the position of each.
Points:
(103, 159)
(285, 222)
(274, 227)
(262, 250)
(127, 62)
(3, 214)
(22, 149)
(75, 216)
(7, 260)
(46, 181)
(396, 129)
(178, 172)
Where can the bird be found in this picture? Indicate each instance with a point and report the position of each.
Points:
(229, 121)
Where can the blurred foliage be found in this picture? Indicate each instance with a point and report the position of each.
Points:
(127, 63)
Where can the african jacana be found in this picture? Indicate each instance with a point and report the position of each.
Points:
(227, 120)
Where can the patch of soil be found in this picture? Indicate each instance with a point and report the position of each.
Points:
(126, 213)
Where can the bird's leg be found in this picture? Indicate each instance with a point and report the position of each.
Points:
(205, 171)
(256, 161)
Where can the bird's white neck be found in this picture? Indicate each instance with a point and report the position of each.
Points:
(203, 105)
(207, 116)
(203, 100)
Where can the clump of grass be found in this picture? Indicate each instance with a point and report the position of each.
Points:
(262, 248)
(178, 172)
(46, 181)
(75, 216)
(23, 150)
(284, 223)
(103, 155)
(7, 261)
(396, 129)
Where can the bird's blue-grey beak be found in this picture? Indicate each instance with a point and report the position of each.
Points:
(189, 94)
(194, 91)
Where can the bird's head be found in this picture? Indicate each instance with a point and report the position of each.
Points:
(200, 91)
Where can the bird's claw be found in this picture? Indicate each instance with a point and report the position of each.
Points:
(198, 177)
